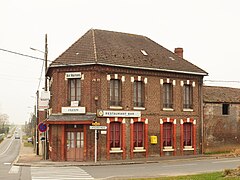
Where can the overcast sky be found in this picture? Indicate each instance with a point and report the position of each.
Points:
(207, 30)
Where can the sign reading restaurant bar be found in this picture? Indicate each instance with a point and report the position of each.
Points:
(73, 75)
(104, 113)
(73, 110)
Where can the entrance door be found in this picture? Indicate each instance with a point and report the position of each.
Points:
(75, 145)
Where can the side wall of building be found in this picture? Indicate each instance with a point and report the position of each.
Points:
(222, 132)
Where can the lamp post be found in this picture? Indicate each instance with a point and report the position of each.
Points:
(45, 52)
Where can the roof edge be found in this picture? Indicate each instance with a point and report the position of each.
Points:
(134, 67)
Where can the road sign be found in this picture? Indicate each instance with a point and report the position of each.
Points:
(98, 127)
(42, 127)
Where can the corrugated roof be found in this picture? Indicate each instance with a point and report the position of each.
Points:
(221, 94)
(122, 49)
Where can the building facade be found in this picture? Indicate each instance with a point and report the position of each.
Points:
(221, 119)
(145, 100)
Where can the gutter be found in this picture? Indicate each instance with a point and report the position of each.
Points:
(132, 67)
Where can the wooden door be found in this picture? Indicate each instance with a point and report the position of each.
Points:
(75, 145)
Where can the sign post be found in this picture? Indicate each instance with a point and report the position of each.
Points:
(96, 126)
(95, 149)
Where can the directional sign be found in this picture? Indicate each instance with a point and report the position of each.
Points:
(98, 127)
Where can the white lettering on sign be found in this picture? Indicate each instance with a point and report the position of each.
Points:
(73, 110)
(73, 75)
(103, 113)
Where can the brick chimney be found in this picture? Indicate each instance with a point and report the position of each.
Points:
(179, 52)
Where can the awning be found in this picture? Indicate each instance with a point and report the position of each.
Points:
(70, 119)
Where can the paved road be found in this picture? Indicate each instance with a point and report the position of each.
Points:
(164, 168)
(9, 150)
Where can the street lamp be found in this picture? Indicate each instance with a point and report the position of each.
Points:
(36, 50)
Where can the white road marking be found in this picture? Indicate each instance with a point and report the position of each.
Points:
(227, 161)
(8, 163)
(59, 173)
(14, 170)
(7, 148)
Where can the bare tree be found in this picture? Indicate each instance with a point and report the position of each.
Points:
(3, 122)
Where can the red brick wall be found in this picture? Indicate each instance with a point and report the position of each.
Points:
(95, 83)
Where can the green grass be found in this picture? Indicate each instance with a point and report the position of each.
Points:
(217, 152)
(205, 176)
(28, 144)
(25, 137)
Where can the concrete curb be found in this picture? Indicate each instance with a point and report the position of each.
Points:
(44, 163)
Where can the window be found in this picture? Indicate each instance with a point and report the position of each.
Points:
(188, 97)
(187, 134)
(167, 95)
(115, 92)
(225, 109)
(167, 134)
(75, 90)
(138, 134)
(115, 135)
(138, 94)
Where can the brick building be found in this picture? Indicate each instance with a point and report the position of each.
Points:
(221, 118)
(149, 99)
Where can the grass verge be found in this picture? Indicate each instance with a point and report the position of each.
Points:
(205, 176)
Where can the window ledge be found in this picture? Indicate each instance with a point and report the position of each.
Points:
(139, 108)
(139, 150)
(116, 150)
(188, 110)
(168, 148)
(116, 107)
(168, 109)
(188, 148)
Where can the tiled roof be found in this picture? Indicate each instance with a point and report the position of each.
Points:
(122, 49)
(221, 94)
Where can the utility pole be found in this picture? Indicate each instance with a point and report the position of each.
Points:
(45, 116)
(37, 116)
(45, 58)
(46, 88)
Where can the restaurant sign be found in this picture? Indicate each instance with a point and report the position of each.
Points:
(105, 113)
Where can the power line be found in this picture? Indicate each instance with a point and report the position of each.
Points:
(21, 54)
(33, 57)
(222, 81)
